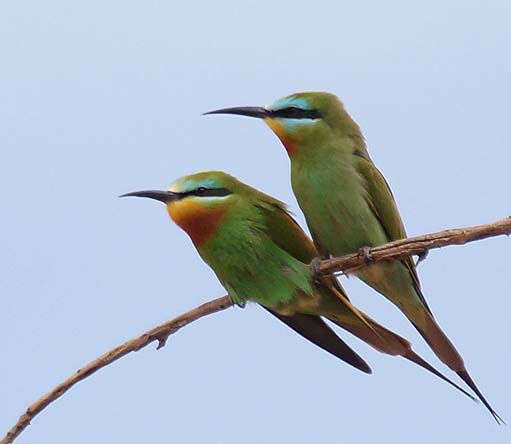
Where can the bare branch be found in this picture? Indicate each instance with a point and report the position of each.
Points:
(160, 334)
(419, 245)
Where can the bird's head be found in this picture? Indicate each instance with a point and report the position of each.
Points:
(197, 203)
(302, 120)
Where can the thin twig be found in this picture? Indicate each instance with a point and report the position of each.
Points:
(419, 245)
(160, 334)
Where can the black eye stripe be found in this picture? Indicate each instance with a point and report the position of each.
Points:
(206, 192)
(296, 113)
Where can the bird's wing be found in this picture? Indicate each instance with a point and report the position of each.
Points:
(320, 247)
(286, 233)
(318, 332)
(381, 201)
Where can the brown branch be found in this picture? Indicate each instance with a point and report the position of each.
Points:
(160, 334)
(419, 245)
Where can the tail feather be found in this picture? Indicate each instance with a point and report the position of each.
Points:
(400, 285)
(470, 382)
(415, 358)
(391, 343)
(447, 353)
(439, 342)
(318, 332)
(344, 299)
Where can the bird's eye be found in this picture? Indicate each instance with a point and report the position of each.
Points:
(294, 112)
(201, 191)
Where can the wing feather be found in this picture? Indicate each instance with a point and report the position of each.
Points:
(383, 205)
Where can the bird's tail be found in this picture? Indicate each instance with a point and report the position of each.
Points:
(403, 290)
(388, 342)
(447, 353)
(335, 288)
(318, 332)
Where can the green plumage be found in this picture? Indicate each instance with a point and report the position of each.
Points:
(348, 204)
(247, 260)
(260, 254)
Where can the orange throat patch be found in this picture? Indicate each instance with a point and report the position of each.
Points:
(199, 221)
(278, 129)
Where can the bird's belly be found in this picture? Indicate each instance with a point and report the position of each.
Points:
(335, 205)
(257, 270)
(344, 228)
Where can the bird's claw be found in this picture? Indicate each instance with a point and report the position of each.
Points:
(315, 265)
(421, 257)
(365, 253)
(162, 338)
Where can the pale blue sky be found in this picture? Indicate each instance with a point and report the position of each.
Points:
(101, 98)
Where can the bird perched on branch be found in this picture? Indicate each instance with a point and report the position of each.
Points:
(260, 254)
(349, 206)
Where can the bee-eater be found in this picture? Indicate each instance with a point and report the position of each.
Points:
(260, 254)
(349, 206)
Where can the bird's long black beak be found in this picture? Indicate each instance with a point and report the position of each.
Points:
(250, 111)
(162, 196)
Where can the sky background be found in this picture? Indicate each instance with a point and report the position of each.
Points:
(102, 98)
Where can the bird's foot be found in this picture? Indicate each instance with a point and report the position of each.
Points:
(365, 253)
(421, 257)
(315, 266)
(162, 338)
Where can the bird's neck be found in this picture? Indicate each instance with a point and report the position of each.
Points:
(289, 143)
(200, 222)
(310, 145)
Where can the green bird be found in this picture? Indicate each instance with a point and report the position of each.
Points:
(260, 254)
(349, 206)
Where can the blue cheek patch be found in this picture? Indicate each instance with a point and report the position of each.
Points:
(292, 124)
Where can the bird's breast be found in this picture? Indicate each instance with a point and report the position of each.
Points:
(199, 221)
